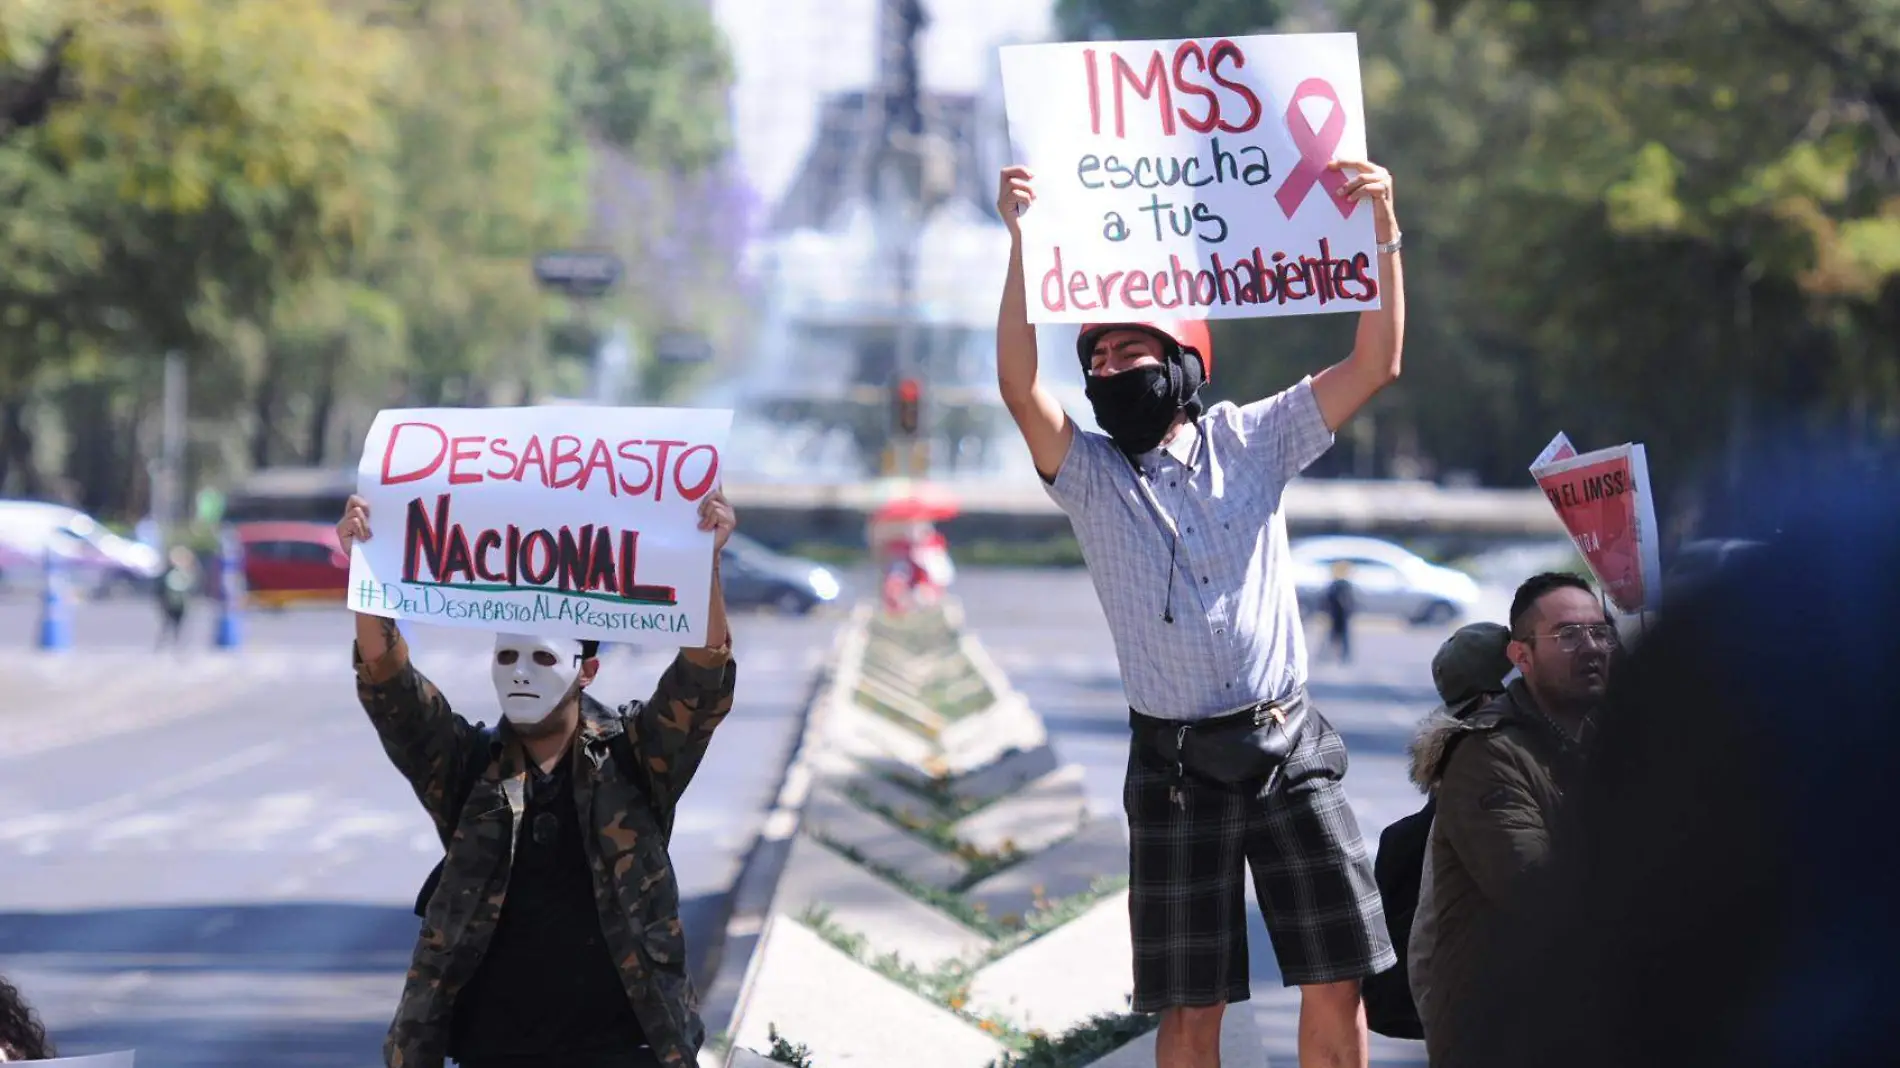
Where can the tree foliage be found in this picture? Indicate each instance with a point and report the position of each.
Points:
(1675, 221)
(326, 206)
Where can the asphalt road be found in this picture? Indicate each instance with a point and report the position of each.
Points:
(207, 856)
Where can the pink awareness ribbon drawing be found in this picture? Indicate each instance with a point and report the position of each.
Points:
(1316, 148)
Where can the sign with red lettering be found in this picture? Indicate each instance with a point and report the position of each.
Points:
(573, 522)
(1605, 501)
(1189, 178)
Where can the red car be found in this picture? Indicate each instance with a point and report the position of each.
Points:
(292, 563)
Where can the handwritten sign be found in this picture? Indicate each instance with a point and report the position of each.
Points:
(1188, 178)
(573, 522)
(1605, 501)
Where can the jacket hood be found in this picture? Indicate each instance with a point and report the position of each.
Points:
(1441, 726)
(1428, 746)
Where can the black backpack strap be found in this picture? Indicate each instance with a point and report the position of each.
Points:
(473, 765)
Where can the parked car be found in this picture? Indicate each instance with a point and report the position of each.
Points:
(288, 563)
(1387, 579)
(97, 561)
(756, 577)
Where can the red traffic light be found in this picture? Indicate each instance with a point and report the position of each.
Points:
(907, 396)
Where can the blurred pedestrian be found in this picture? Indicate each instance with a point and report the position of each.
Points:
(1499, 793)
(176, 586)
(573, 954)
(1176, 506)
(1339, 603)
(22, 1036)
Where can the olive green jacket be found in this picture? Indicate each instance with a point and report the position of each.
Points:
(635, 890)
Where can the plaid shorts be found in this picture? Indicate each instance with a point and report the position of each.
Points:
(1187, 857)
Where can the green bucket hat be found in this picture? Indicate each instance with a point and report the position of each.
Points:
(1470, 665)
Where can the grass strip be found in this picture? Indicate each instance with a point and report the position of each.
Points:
(1010, 932)
(1080, 1046)
(980, 864)
(783, 1052)
(947, 985)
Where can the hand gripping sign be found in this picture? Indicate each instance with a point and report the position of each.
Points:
(570, 522)
(1189, 178)
(1605, 502)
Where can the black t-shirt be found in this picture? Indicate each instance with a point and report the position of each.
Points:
(547, 987)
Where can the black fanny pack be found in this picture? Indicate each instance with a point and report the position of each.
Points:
(1239, 749)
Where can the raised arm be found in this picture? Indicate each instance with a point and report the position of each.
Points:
(1044, 425)
(421, 734)
(695, 693)
(1379, 345)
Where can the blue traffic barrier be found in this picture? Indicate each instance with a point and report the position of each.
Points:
(231, 590)
(56, 624)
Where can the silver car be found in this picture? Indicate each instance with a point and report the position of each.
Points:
(1387, 579)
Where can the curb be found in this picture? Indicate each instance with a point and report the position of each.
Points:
(736, 948)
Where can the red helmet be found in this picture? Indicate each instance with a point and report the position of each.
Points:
(1189, 334)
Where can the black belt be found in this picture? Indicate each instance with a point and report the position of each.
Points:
(1239, 749)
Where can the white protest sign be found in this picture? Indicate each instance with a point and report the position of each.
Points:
(1608, 505)
(121, 1059)
(572, 522)
(1187, 179)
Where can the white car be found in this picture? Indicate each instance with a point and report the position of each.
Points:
(99, 559)
(1387, 579)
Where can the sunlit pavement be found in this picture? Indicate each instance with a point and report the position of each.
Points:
(208, 857)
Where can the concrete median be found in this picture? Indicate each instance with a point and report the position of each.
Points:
(942, 897)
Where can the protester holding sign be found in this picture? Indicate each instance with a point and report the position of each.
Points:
(1177, 510)
(553, 935)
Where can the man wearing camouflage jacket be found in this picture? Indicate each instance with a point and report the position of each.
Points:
(553, 937)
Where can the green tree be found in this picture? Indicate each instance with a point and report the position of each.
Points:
(1667, 220)
(202, 155)
(1706, 212)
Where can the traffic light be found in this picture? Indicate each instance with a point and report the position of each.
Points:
(909, 397)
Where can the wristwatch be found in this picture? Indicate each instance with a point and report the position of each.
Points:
(1386, 248)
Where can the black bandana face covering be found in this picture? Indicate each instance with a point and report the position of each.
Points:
(1136, 407)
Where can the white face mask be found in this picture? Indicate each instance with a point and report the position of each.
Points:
(532, 674)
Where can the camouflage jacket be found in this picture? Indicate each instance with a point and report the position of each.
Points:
(635, 890)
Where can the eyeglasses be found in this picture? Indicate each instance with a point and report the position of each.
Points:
(1571, 636)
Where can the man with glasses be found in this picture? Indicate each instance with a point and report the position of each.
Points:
(551, 931)
(1500, 790)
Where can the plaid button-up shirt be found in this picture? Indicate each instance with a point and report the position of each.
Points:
(1206, 510)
